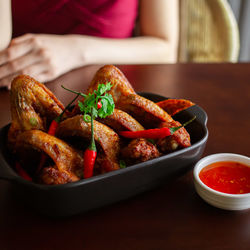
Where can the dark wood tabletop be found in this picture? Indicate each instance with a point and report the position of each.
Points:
(172, 216)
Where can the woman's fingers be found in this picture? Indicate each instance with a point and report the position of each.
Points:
(19, 64)
(21, 39)
(29, 54)
(15, 51)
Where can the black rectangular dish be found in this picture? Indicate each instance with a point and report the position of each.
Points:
(101, 190)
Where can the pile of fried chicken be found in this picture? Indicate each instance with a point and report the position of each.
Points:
(34, 106)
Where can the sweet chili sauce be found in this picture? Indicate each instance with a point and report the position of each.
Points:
(227, 177)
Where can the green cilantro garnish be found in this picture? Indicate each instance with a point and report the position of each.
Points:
(89, 106)
(91, 101)
(122, 164)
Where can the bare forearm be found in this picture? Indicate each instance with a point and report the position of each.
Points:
(5, 23)
(125, 51)
(157, 43)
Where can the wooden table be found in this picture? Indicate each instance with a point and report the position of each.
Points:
(169, 217)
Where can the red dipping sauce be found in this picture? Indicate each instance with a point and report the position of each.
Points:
(227, 177)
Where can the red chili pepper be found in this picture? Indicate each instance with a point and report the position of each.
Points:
(156, 133)
(22, 172)
(99, 105)
(90, 154)
(89, 162)
(53, 126)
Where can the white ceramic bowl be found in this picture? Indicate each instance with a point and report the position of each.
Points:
(216, 198)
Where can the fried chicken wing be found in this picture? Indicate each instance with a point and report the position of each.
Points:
(32, 104)
(104, 136)
(143, 110)
(109, 73)
(146, 112)
(67, 161)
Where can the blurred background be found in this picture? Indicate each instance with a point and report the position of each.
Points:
(204, 23)
(241, 10)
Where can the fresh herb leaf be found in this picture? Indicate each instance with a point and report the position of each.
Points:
(102, 88)
(95, 113)
(108, 106)
(81, 106)
(122, 164)
(91, 101)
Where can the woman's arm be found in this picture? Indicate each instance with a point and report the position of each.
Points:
(5, 23)
(157, 43)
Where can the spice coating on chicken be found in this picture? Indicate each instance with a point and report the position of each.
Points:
(104, 136)
(120, 84)
(52, 176)
(139, 150)
(126, 99)
(120, 121)
(148, 113)
(32, 104)
(67, 160)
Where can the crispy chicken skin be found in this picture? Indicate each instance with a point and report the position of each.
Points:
(143, 110)
(104, 136)
(110, 73)
(32, 104)
(52, 176)
(139, 150)
(120, 121)
(68, 162)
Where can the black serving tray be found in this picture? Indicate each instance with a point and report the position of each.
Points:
(84, 195)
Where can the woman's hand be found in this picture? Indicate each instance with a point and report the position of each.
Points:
(44, 57)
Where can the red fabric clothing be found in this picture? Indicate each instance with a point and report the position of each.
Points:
(102, 18)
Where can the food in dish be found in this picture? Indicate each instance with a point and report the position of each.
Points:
(34, 108)
(219, 190)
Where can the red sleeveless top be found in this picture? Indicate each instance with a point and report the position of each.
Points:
(102, 18)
